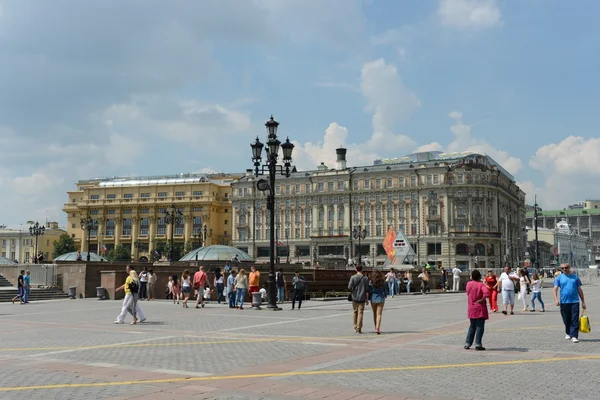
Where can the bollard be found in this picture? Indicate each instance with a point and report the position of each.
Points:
(256, 300)
(72, 292)
(101, 293)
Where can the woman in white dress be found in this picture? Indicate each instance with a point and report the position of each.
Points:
(523, 282)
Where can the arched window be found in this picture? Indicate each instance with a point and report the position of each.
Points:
(433, 211)
(462, 249)
(480, 249)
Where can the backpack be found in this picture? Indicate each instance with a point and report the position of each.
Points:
(279, 279)
(133, 286)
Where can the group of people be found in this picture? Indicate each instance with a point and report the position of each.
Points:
(23, 288)
(567, 291)
(395, 279)
(363, 290)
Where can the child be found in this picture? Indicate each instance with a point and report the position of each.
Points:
(263, 292)
(537, 294)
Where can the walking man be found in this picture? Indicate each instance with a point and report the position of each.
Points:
(26, 286)
(20, 288)
(298, 284)
(231, 288)
(506, 283)
(200, 283)
(570, 293)
(359, 290)
(143, 292)
(456, 278)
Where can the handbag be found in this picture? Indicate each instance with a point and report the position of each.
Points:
(584, 323)
(352, 289)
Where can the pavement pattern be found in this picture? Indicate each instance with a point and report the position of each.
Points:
(71, 349)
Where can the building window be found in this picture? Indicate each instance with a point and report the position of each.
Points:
(197, 209)
(110, 211)
(179, 194)
(429, 179)
(460, 212)
(433, 211)
(413, 211)
(307, 188)
(434, 249)
(330, 186)
(367, 184)
(93, 212)
(413, 228)
(110, 227)
(378, 184)
(111, 196)
(127, 211)
(161, 226)
(460, 179)
(459, 194)
(144, 226)
(126, 226)
(128, 196)
(179, 227)
(145, 195)
(143, 211)
(162, 194)
(413, 180)
(434, 228)
(278, 189)
(341, 185)
(198, 193)
(367, 214)
(436, 179)
(95, 197)
(355, 185)
(320, 187)
(321, 214)
(73, 226)
(389, 183)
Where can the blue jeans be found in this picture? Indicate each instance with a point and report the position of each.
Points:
(220, 288)
(392, 287)
(408, 287)
(26, 294)
(570, 316)
(231, 299)
(281, 293)
(537, 295)
(239, 300)
(475, 332)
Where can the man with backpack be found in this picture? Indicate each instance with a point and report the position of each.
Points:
(299, 286)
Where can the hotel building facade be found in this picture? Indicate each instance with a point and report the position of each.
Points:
(130, 211)
(19, 244)
(454, 208)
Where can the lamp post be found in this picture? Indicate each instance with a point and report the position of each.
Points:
(197, 236)
(537, 242)
(36, 230)
(359, 234)
(88, 224)
(206, 234)
(172, 218)
(287, 241)
(271, 167)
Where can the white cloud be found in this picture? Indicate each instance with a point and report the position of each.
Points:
(465, 141)
(390, 102)
(570, 171)
(469, 14)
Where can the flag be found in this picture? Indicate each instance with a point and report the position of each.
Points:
(104, 248)
(279, 243)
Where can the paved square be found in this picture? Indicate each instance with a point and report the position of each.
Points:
(71, 349)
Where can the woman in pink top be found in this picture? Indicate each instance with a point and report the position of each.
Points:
(477, 310)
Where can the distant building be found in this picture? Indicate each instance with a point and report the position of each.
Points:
(461, 208)
(18, 244)
(583, 221)
(566, 246)
(130, 211)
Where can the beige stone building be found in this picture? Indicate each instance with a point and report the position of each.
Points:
(18, 244)
(130, 211)
(461, 208)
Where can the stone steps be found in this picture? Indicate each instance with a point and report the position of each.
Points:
(4, 282)
(36, 294)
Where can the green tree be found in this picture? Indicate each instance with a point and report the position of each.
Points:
(188, 247)
(119, 253)
(177, 250)
(64, 244)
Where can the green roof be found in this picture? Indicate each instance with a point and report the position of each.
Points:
(566, 213)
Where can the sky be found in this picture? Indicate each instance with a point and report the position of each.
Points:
(146, 87)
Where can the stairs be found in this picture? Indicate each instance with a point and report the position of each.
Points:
(4, 282)
(36, 294)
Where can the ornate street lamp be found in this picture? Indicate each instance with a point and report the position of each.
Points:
(206, 233)
(88, 224)
(270, 167)
(358, 233)
(173, 218)
(36, 230)
(197, 236)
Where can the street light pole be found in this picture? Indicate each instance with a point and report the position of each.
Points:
(271, 167)
(172, 218)
(360, 234)
(36, 230)
(537, 242)
(88, 224)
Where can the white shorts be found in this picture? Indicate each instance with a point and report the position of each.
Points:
(508, 297)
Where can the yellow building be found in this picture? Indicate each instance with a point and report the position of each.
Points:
(131, 211)
(18, 244)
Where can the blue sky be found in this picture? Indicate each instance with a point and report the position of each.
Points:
(93, 89)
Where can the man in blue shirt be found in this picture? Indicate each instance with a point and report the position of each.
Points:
(570, 293)
(231, 288)
(26, 287)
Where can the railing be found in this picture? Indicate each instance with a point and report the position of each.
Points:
(42, 274)
(496, 235)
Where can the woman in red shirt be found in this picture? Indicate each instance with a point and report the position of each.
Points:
(491, 281)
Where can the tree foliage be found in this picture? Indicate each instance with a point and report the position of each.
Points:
(119, 253)
(64, 244)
